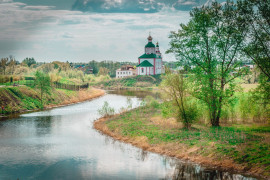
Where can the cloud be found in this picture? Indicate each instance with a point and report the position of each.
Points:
(117, 6)
(67, 35)
(49, 34)
(134, 6)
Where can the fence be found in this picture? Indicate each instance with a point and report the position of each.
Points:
(72, 87)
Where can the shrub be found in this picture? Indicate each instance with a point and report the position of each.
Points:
(106, 110)
(176, 89)
(151, 102)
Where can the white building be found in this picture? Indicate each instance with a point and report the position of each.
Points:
(125, 71)
(150, 63)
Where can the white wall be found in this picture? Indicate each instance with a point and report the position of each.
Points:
(158, 66)
(146, 71)
(122, 74)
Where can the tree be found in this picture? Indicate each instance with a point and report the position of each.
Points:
(176, 88)
(42, 82)
(94, 65)
(29, 61)
(3, 64)
(12, 63)
(211, 42)
(103, 71)
(256, 15)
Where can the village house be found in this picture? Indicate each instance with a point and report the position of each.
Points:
(125, 71)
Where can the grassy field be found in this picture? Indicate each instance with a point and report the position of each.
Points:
(23, 98)
(239, 147)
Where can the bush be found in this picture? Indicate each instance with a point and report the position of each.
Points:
(106, 110)
(151, 102)
(176, 89)
(167, 109)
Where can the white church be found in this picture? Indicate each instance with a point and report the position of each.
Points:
(150, 63)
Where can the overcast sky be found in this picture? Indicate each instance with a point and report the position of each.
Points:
(84, 30)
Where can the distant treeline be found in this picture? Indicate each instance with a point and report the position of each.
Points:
(93, 66)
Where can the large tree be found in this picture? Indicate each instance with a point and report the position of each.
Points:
(12, 63)
(42, 82)
(29, 61)
(256, 15)
(3, 64)
(211, 42)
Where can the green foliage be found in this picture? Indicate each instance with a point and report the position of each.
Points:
(103, 71)
(29, 78)
(42, 83)
(167, 109)
(211, 42)
(150, 101)
(176, 89)
(29, 61)
(3, 64)
(106, 110)
(134, 81)
(130, 82)
(255, 15)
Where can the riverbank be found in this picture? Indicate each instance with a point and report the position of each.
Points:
(243, 149)
(130, 83)
(22, 98)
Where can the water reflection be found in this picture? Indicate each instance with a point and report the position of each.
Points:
(139, 94)
(61, 144)
(43, 125)
(186, 171)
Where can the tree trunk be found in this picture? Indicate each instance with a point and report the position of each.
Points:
(215, 122)
(213, 105)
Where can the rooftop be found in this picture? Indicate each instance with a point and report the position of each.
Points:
(150, 44)
(145, 63)
(148, 56)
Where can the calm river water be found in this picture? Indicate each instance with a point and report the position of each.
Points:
(61, 144)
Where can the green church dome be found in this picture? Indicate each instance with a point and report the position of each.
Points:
(150, 44)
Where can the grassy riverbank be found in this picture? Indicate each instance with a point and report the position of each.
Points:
(133, 82)
(23, 98)
(243, 148)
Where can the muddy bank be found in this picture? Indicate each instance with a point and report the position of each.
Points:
(84, 95)
(180, 151)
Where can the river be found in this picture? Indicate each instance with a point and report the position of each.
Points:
(61, 143)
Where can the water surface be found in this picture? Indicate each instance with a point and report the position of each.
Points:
(61, 144)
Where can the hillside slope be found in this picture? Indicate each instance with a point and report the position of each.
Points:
(23, 98)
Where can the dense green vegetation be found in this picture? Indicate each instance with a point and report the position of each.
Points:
(246, 144)
(215, 42)
(17, 99)
(131, 82)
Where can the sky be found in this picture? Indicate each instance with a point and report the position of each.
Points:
(85, 30)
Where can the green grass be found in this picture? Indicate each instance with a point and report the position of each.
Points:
(132, 81)
(22, 82)
(21, 98)
(66, 81)
(243, 144)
